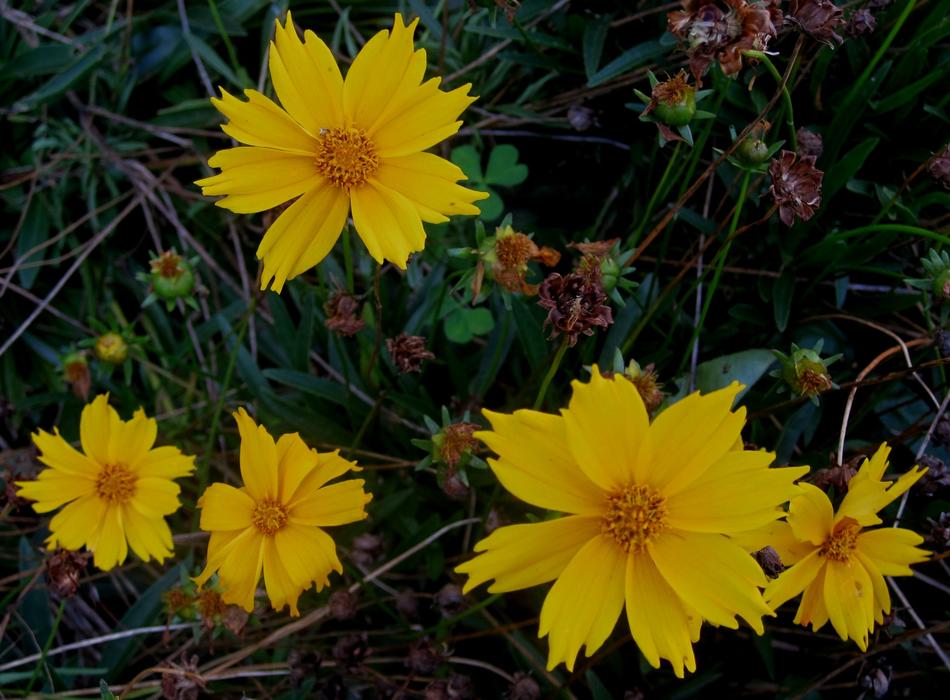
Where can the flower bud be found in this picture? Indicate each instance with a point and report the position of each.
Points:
(76, 373)
(753, 149)
(673, 101)
(171, 276)
(112, 348)
(805, 372)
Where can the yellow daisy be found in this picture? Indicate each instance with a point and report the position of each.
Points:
(837, 563)
(273, 523)
(339, 146)
(116, 492)
(649, 508)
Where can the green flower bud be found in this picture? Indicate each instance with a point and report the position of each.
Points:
(112, 348)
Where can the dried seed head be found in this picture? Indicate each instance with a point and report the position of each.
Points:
(343, 604)
(408, 352)
(182, 681)
(450, 600)
(796, 186)
(939, 167)
(63, 570)
(836, 476)
(303, 665)
(860, 22)
(673, 101)
(939, 535)
(937, 478)
(350, 650)
(455, 441)
(523, 687)
(809, 143)
(342, 314)
(211, 606)
(819, 18)
(575, 304)
(423, 657)
(367, 549)
(76, 373)
(580, 118)
(407, 603)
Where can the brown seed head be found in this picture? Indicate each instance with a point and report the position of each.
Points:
(167, 264)
(939, 167)
(210, 606)
(408, 352)
(343, 604)
(342, 314)
(450, 600)
(819, 18)
(796, 186)
(182, 681)
(673, 91)
(523, 687)
(575, 304)
(63, 570)
(809, 143)
(860, 22)
(457, 440)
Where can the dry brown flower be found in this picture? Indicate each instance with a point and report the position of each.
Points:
(76, 372)
(575, 304)
(343, 604)
(939, 167)
(861, 22)
(809, 143)
(408, 352)
(182, 681)
(523, 687)
(796, 186)
(63, 570)
(450, 600)
(342, 311)
(819, 18)
(457, 439)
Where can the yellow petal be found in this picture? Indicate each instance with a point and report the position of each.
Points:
(302, 235)
(535, 464)
(336, 504)
(306, 78)
(163, 462)
(95, 426)
(295, 461)
(148, 537)
(258, 458)
(793, 580)
(849, 598)
(739, 492)
(812, 610)
(608, 431)
(79, 522)
(882, 596)
(387, 223)
(779, 536)
(713, 575)
(130, 440)
(584, 603)
(111, 548)
(658, 618)
(694, 433)
(329, 466)
(428, 182)
(58, 454)
(155, 497)
(377, 73)
(224, 507)
(308, 555)
(892, 549)
(260, 122)
(810, 515)
(220, 546)
(280, 589)
(256, 179)
(241, 570)
(521, 556)
(53, 488)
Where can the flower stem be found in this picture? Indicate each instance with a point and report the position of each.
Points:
(658, 192)
(348, 258)
(552, 370)
(786, 96)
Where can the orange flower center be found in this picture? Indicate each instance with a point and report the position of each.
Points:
(115, 483)
(269, 516)
(346, 157)
(843, 540)
(634, 516)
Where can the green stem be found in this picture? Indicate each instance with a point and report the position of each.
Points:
(49, 642)
(348, 258)
(892, 228)
(719, 263)
(658, 192)
(205, 467)
(552, 370)
(786, 96)
(699, 146)
(879, 54)
(232, 54)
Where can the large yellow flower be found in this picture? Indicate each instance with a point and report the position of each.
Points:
(341, 146)
(116, 494)
(274, 522)
(650, 506)
(840, 566)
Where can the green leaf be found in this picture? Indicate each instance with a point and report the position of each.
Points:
(462, 324)
(592, 45)
(846, 168)
(782, 292)
(504, 168)
(627, 61)
(470, 161)
(65, 80)
(746, 367)
(598, 691)
(316, 386)
(35, 231)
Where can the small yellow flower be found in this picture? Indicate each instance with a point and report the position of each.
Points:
(650, 507)
(274, 522)
(837, 563)
(340, 146)
(116, 491)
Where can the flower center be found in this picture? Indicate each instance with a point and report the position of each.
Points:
(269, 516)
(634, 516)
(346, 157)
(843, 540)
(115, 483)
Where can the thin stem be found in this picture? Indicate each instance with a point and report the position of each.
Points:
(348, 258)
(552, 370)
(786, 96)
(658, 192)
(49, 642)
(378, 342)
(232, 54)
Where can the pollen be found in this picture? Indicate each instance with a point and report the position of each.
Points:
(346, 157)
(269, 516)
(842, 542)
(115, 483)
(634, 516)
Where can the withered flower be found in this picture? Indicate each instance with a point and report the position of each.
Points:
(523, 687)
(673, 104)
(182, 681)
(457, 440)
(937, 478)
(408, 352)
(809, 143)
(722, 29)
(796, 186)
(343, 604)
(450, 600)
(452, 484)
(820, 18)
(342, 310)
(836, 476)
(860, 22)
(424, 657)
(506, 256)
(63, 569)
(580, 118)
(939, 535)
(650, 390)
(367, 549)
(211, 606)
(939, 167)
(575, 305)
(76, 373)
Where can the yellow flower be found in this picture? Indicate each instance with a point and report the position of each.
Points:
(116, 491)
(340, 146)
(839, 565)
(650, 506)
(274, 522)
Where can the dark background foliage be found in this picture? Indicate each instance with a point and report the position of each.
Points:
(106, 123)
